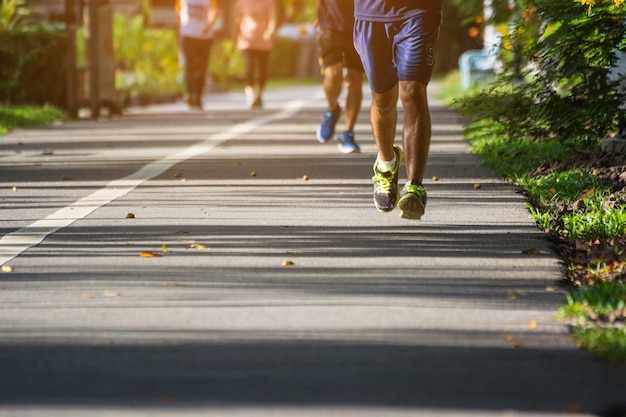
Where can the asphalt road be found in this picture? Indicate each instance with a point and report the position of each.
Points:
(225, 263)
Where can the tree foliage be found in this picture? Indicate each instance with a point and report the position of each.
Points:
(14, 14)
(555, 83)
(300, 11)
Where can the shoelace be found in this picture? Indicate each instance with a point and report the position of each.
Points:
(384, 183)
(415, 189)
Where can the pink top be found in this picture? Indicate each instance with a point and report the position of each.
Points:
(255, 18)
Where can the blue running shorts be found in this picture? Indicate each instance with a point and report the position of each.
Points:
(398, 51)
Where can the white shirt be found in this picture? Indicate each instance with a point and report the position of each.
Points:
(194, 18)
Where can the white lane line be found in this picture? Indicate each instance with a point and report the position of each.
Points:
(15, 243)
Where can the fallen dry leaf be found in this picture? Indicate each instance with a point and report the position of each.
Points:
(287, 262)
(515, 343)
(14, 188)
(164, 248)
(7, 268)
(512, 295)
(532, 325)
(130, 216)
(108, 293)
(306, 177)
(149, 254)
(587, 193)
(477, 186)
(435, 178)
(532, 251)
(198, 246)
(253, 174)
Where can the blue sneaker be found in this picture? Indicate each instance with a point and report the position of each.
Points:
(327, 129)
(347, 143)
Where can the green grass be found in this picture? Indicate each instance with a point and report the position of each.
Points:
(28, 116)
(551, 192)
(595, 311)
(513, 156)
(566, 186)
(595, 222)
(605, 343)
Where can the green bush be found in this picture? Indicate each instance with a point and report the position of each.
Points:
(146, 58)
(226, 63)
(33, 67)
(14, 14)
(24, 116)
(557, 86)
(283, 59)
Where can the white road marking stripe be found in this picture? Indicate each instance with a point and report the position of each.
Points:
(15, 243)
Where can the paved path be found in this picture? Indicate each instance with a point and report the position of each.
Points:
(377, 316)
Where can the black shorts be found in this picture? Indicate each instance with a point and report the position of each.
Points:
(335, 46)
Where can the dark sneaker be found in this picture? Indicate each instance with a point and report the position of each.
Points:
(347, 143)
(386, 184)
(257, 103)
(412, 201)
(194, 102)
(196, 106)
(327, 129)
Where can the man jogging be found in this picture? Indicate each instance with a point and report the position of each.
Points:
(335, 21)
(396, 41)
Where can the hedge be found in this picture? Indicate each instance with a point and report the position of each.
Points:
(32, 69)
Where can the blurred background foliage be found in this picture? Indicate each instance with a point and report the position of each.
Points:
(147, 63)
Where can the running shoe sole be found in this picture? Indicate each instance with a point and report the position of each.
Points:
(411, 207)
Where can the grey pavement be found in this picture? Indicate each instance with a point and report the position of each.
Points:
(225, 263)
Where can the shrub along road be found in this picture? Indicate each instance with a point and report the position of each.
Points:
(226, 263)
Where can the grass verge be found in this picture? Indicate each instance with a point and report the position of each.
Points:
(576, 194)
(28, 116)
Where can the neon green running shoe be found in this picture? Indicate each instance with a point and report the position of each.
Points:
(386, 184)
(412, 201)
